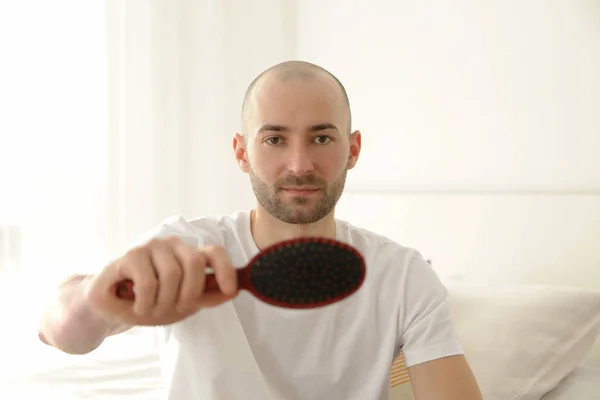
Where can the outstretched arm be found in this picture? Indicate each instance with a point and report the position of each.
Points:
(448, 378)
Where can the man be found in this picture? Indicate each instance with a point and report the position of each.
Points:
(296, 144)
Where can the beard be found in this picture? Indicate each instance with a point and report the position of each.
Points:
(299, 210)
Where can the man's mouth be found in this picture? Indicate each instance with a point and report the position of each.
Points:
(300, 190)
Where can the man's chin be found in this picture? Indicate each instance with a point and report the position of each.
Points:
(300, 219)
(307, 215)
(297, 214)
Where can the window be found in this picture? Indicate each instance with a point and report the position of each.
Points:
(53, 134)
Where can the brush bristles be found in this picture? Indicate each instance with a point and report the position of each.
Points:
(309, 272)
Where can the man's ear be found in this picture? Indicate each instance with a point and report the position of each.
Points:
(355, 146)
(239, 148)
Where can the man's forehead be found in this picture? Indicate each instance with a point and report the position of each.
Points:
(273, 90)
(273, 84)
(274, 97)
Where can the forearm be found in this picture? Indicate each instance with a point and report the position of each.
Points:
(448, 378)
(70, 324)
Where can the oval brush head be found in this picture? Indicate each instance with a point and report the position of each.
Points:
(297, 273)
(304, 273)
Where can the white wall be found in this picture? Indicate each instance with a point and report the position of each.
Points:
(466, 94)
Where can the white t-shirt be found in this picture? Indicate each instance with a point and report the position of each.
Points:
(246, 349)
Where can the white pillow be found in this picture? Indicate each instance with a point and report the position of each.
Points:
(581, 273)
(581, 384)
(521, 341)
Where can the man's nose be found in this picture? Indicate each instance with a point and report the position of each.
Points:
(299, 161)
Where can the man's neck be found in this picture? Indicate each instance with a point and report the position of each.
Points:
(268, 230)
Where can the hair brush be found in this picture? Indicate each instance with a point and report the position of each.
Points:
(297, 273)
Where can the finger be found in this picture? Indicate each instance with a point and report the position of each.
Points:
(193, 264)
(137, 266)
(225, 273)
(169, 272)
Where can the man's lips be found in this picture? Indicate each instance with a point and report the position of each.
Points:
(300, 190)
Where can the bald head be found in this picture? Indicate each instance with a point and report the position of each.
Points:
(287, 72)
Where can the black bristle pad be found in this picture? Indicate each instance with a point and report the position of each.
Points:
(307, 273)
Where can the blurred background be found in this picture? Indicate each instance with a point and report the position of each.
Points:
(478, 117)
(116, 115)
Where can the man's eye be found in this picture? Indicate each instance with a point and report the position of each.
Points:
(322, 139)
(275, 140)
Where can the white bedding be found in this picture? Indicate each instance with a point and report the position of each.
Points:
(126, 367)
(138, 380)
(134, 374)
(582, 384)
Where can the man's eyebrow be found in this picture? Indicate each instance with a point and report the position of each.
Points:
(323, 127)
(280, 128)
(272, 128)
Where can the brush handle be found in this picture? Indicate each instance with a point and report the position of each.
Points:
(210, 284)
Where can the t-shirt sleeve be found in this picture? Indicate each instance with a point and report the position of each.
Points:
(173, 226)
(426, 326)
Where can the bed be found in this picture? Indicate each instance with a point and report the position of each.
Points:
(523, 271)
(524, 342)
(528, 260)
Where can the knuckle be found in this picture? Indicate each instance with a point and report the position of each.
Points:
(195, 259)
(146, 284)
(137, 252)
(171, 274)
(217, 253)
(154, 242)
(212, 249)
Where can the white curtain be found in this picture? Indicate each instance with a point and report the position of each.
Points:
(121, 113)
(116, 115)
(178, 73)
(53, 147)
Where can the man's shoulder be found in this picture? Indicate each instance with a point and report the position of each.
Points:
(373, 244)
(369, 239)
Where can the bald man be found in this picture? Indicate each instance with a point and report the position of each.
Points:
(297, 145)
